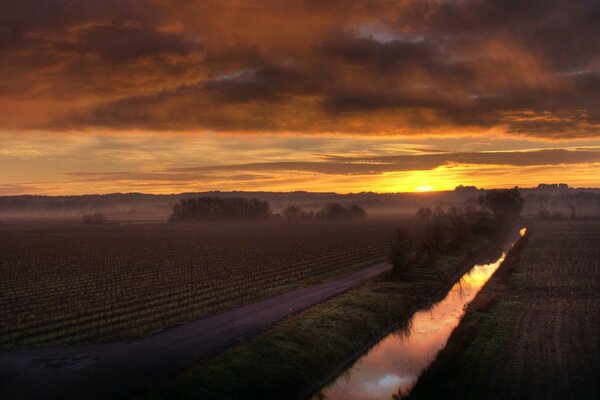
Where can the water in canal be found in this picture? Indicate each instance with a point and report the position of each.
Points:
(397, 360)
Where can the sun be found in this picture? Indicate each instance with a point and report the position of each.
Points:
(423, 189)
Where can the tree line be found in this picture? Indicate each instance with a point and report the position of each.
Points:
(220, 208)
(236, 208)
(445, 231)
(330, 211)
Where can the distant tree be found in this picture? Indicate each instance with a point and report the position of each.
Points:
(445, 231)
(424, 214)
(336, 211)
(94, 219)
(356, 212)
(506, 205)
(573, 211)
(217, 208)
(292, 213)
(543, 213)
(333, 211)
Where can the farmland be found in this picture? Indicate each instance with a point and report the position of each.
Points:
(533, 331)
(67, 283)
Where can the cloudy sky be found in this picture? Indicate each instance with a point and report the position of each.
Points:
(164, 96)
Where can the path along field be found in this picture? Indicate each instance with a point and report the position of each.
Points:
(541, 337)
(73, 283)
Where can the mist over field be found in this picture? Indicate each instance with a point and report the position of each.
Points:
(145, 207)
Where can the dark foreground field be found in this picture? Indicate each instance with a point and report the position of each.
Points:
(69, 283)
(534, 331)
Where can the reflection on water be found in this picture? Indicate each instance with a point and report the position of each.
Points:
(397, 360)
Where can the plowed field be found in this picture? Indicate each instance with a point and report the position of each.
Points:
(73, 284)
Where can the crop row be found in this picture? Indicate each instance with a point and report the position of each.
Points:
(270, 279)
(80, 284)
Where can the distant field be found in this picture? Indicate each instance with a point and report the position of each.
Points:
(71, 283)
(541, 339)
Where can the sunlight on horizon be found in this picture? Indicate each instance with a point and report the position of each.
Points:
(424, 189)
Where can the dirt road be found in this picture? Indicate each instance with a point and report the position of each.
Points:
(541, 339)
(113, 370)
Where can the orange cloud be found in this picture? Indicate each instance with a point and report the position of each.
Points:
(279, 95)
(411, 67)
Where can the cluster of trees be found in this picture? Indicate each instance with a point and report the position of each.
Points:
(439, 232)
(219, 208)
(505, 204)
(331, 211)
(295, 213)
(80, 203)
(235, 208)
(94, 219)
(336, 211)
(546, 214)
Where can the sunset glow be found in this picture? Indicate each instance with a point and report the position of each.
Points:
(423, 189)
(175, 96)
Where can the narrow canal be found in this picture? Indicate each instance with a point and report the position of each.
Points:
(394, 364)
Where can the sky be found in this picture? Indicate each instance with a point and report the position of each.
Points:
(161, 96)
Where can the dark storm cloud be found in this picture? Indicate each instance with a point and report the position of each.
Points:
(523, 67)
(271, 83)
(385, 57)
(122, 43)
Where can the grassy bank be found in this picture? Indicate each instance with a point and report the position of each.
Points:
(299, 354)
(532, 332)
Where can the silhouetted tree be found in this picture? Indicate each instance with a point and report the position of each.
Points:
(356, 212)
(336, 211)
(217, 208)
(543, 213)
(438, 232)
(292, 213)
(94, 219)
(506, 205)
(424, 214)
